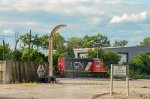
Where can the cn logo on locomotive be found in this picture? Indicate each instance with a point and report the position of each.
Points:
(78, 65)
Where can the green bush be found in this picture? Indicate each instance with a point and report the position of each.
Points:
(110, 58)
(140, 67)
(136, 75)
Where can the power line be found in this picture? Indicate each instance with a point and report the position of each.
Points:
(6, 36)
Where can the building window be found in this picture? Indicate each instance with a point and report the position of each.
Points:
(124, 58)
(82, 55)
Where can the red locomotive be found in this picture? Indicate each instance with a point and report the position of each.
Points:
(81, 67)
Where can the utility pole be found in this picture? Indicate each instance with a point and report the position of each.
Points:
(29, 46)
(3, 49)
(97, 42)
(16, 41)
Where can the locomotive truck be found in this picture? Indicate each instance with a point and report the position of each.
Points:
(81, 67)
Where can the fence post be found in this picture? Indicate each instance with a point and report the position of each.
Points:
(111, 80)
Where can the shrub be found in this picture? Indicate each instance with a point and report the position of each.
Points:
(140, 66)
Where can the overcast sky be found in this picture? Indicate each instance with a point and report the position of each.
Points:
(117, 19)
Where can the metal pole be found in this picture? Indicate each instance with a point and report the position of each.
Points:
(51, 58)
(111, 80)
(51, 48)
(97, 43)
(127, 80)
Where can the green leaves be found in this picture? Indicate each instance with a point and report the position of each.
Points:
(36, 41)
(95, 40)
(35, 55)
(89, 41)
(121, 43)
(44, 42)
(59, 42)
(69, 52)
(5, 50)
(141, 64)
(145, 42)
(75, 42)
(110, 58)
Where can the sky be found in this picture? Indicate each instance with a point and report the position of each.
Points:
(117, 19)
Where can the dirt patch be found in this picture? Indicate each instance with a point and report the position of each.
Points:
(76, 89)
(14, 98)
(132, 95)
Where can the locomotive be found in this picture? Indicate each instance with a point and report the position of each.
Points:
(81, 67)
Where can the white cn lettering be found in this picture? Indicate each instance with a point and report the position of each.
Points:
(78, 65)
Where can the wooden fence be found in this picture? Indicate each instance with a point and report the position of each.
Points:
(1, 71)
(21, 72)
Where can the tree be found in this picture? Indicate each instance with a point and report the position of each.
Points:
(75, 42)
(25, 54)
(25, 40)
(69, 53)
(17, 54)
(145, 42)
(36, 41)
(34, 56)
(93, 53)
(107, 58)
(44, 42)
(38, 56)
(141, 64)
(5, 50)
(110, 58)
(40, 42)
(59, 42)
(121, 43)
(94, 40)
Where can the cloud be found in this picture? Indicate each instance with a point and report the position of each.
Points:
(8, 32)
(81, 16)
(129, 18)
(55, 6)
(94, 21)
